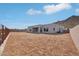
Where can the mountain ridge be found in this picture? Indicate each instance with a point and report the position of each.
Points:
(70, 22)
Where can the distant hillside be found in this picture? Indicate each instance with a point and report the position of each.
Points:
(69, 22)
(18, 30)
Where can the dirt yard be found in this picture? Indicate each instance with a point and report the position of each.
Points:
(21, 44)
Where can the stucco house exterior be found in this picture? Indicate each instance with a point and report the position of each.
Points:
(47, 28)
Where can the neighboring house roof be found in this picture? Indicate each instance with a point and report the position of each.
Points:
(44, 25)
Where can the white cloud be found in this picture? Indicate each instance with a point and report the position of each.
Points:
(77, 11)
(34, 12)
(49, 9)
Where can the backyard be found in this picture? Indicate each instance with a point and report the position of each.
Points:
(22, 43)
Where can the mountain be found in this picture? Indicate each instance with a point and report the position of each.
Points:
(69, 22)
(18, 30)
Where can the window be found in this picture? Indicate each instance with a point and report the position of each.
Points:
(46, 29)
(30, 30)
(54, 29)
(40, 29)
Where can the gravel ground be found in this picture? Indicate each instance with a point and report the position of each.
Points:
(29, 44)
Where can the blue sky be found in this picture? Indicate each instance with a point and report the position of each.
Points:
(22, 15)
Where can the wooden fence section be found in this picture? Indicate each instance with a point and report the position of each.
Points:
(4, 31)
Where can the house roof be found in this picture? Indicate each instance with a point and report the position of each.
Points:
(43, 25)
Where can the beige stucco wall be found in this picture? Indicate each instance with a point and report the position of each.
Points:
(75, 35)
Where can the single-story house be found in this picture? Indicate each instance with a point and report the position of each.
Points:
(47, 28)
